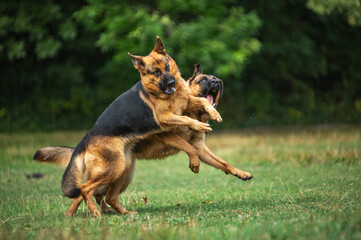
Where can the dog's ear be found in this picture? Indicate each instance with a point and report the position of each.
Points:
(197, 71)
(137, 61)
(159, 46)
(221, 91)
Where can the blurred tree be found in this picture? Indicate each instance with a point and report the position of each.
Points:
(351, 8)
(43, 56)
(218, 34)
(27, 28)
(62, 62)
(55, 70)
(307, 70)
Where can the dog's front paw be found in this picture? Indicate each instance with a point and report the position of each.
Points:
(201, 127)
(215, 116)
(194, 168)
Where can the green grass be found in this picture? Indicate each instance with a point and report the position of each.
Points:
(307, 185)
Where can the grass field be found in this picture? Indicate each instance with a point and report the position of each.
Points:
(307, 185)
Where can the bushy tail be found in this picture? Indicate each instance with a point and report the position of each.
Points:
(55, 155)
(73, 175)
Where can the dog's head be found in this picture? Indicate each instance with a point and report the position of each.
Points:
(159, 72)
(208, 86)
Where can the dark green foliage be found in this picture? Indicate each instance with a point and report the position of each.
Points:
(62, 63)
(349, 8)
(308, 69)
(45, 83)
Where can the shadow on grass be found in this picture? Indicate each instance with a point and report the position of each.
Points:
(231, 205)
(224, 205)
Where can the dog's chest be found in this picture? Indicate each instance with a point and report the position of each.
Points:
(179, 104)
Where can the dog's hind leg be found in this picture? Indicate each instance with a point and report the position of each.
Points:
(104, 165)
(173, 140)
(210, 158)
(87, 190)
(99, 195)
(74, 206)
(103, 206)
(129, 178)
(77, 201)
(100, 198)
(118, 186)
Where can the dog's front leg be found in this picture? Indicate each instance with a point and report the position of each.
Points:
(173, 140)
(197, 103)
(171, 120)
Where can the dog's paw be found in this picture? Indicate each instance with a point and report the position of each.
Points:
(130, 212)
(69, 214)
(215, 116)
(245, 176)
(194, 168)
(201, 127)
(109, 211)
(96, 213)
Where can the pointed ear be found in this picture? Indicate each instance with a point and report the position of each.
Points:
(197, 71)
(137, 61)
(159, 46)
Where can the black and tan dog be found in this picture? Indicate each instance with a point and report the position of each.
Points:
(162, 145)
(156, 104)
(167, 143)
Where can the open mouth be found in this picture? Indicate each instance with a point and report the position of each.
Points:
(211, 97)
(169, 90)
(167, 85)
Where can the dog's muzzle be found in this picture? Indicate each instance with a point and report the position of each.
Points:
(168, 84)
(213, 86)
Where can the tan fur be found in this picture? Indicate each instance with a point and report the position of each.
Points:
(108, 161)
(57, 155)
(154, 146)
(165, 144)
(102, 156)
(169, 108)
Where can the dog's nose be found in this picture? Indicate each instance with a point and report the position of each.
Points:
(171, 81)
(214, 81)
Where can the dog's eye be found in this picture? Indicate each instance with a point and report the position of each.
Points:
(167, 68)
(157, 72)
(202, 80)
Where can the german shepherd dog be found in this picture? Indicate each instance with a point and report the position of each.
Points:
(153, 105)
(162, 145)
(158, 146)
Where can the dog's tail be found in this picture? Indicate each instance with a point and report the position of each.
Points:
(73, 175)
(55, 155)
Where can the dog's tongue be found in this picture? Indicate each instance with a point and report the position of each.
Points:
(210, 98)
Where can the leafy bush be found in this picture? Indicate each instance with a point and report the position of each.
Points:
(282, 62)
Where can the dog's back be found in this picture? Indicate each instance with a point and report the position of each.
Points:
(128, 115)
